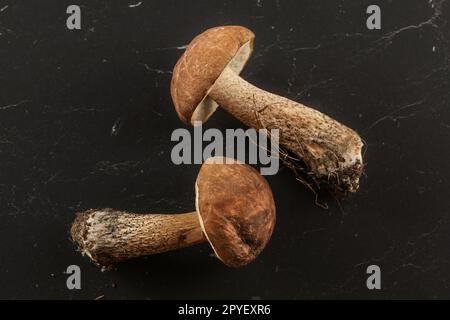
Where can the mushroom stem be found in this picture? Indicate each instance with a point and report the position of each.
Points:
(108, 236)
(329, 149)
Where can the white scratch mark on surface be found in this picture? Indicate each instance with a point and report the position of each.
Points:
(135, 5)
(396, 114)
(14, 104)
(306, 48)
(183, 47)
(158, 71)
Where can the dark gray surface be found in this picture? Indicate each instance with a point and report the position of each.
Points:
(61, 92)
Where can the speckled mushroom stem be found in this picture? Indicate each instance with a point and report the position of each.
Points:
(330, 150)
(109, 236)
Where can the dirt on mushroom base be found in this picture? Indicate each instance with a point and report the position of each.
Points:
(79, 235)
(339, 183)
(336, 184)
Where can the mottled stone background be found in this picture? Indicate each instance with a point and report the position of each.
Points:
(86, 118)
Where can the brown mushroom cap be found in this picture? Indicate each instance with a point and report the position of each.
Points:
(202, 63)
(236, 210)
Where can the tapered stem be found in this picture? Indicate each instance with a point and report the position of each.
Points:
(108, 236)
(327, 147)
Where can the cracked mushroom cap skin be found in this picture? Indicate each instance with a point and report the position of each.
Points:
(202, 63)
(236, 210)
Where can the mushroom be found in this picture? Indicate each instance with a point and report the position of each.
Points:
(207, 75)
(235, 213)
